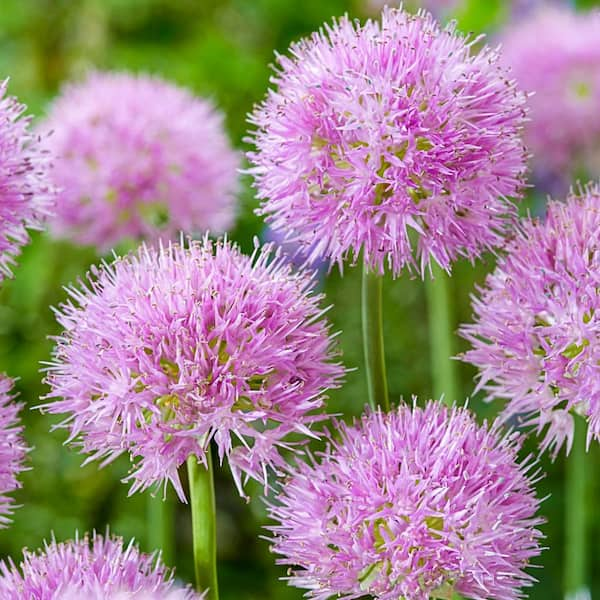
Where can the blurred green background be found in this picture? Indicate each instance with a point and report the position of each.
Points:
(221, 49)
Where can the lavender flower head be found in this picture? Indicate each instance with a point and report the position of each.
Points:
(414, 504)
(536, 335)
(100, 568)
(12, 448)
(555, 53)
(170, 348)
(26, 196)
(138, 157)
(390, 139)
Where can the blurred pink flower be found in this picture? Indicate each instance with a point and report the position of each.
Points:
(555, 53)
(138, 157)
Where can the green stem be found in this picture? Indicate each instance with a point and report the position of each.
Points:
(161, 527)
(443, 370)
(575, 511)
(202, 503)
(372, 326)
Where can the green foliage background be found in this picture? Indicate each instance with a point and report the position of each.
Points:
(221, 49)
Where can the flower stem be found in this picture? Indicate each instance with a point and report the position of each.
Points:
(575, 511)
(372, 326)
(202, 502)
(443, 370)
(160, 526)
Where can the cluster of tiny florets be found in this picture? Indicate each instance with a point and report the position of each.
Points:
(26, 195)
(137, 157)
(100, 568)
(171, 348)
(393, 139)
(12, 448)
(414, 504)
(555, 54)
(536, 335)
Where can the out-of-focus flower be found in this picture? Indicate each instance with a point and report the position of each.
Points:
(391, 139)
(413, 504)
(555, 54)
(536, 335)
(138, 157)
(12, 448)
(26, 195)
(102, 568)
(170, 348)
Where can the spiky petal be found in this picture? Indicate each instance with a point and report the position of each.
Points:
(100, 568)
(171, 348)
(12, 448)
(26, 195)
(414, 504)
(394, 139)
(536, 335)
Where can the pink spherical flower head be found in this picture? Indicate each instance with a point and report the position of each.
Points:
(26, 195)
(12, 449)
(392, 139)
(100, 568)
(536, 336)
(138, 157)
(555, 53)
(170, 348)
(414, 504)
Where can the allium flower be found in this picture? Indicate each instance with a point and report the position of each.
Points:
(12, 448)
(391, 139)
(170, 348)
(26, 195)
(96, 569)
(138, 157)
(555, 53)
(536, 336)
(412, 504)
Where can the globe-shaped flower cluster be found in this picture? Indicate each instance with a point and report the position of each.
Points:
(12, 448)
(394, 139)
(26, 195)
(555, 54)
(414, 504)
(536, 335)
(137, 157)
(100, 568)
(172, 347)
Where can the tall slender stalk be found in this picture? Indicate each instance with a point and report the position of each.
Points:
(372, 326)
(160, 517)
(202, 503)
(575, 514)
(443, 370)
